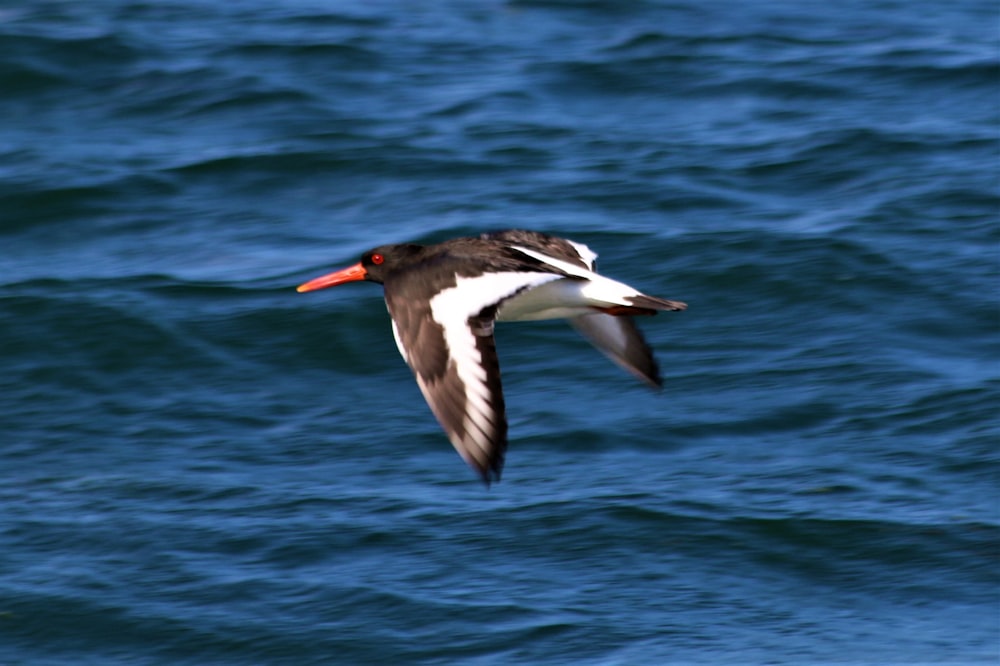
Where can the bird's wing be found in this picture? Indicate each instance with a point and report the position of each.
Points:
(551, 246)
(448, 342)
(619, 339)
(613, 331)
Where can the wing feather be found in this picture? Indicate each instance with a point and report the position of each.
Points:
(620, 340)
(448, 342)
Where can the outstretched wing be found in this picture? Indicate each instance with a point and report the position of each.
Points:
(447, 340)
(613, 331)
(620, 340)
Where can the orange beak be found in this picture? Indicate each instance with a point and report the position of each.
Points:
(349, 274)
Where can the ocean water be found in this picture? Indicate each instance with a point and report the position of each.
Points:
(200, 466)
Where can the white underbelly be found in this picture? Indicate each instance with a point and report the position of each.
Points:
(554, 300)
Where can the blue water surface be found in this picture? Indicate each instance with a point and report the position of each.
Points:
(200, 466)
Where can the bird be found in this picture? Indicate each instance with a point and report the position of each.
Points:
(444, 299)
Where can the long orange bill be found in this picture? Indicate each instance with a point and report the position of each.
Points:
(349, 274)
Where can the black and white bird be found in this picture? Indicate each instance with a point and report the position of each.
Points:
(444, 300)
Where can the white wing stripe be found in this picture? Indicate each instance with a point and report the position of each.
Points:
(452, 308)
(598, 288)
(588, 255)
(571, 269)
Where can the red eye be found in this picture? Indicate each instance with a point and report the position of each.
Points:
(377, 259)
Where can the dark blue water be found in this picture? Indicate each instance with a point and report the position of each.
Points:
(198, 465)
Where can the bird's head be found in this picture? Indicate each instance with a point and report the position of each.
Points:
(373, 267)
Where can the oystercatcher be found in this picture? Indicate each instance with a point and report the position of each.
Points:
(444, 299)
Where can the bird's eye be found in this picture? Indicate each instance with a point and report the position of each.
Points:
(377, 259)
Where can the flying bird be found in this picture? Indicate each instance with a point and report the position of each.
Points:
(444, 300)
